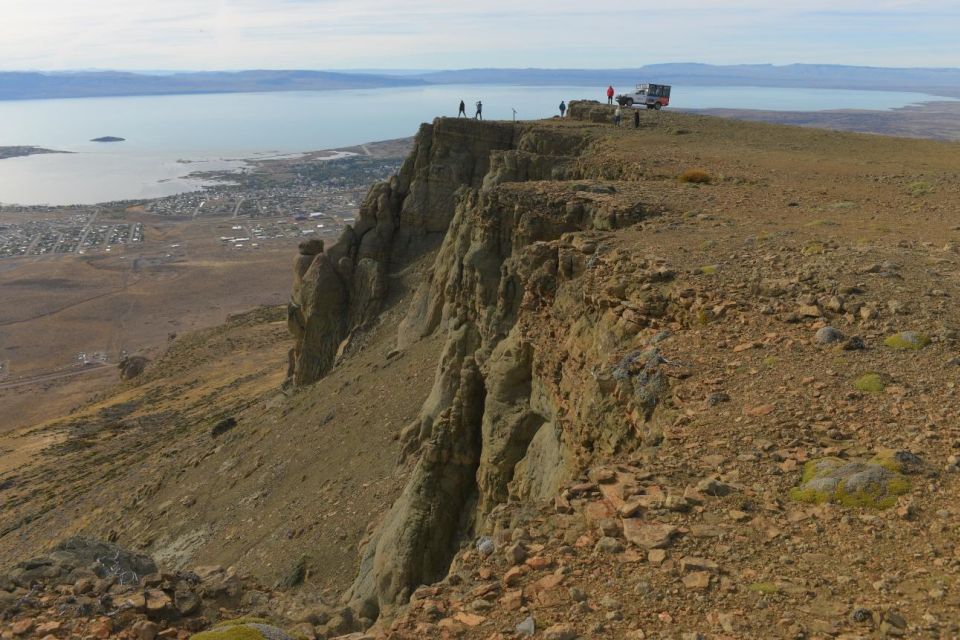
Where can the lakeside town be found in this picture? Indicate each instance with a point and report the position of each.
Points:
(314, 194)
(77, 233)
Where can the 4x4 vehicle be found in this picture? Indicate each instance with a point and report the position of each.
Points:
(651, 96)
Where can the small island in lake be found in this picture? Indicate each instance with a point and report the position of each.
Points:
(16, 152)
(108, 139)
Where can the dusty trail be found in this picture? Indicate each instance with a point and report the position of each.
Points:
(49, 377)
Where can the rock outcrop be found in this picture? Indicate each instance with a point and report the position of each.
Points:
(341, 288)
(511, 413)
(132, 366)
(338, 289)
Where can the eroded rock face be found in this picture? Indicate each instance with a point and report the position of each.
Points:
(524, 386)
(338, 289)
(498, 423)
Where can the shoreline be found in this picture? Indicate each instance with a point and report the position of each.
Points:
(215, 178)
(22, 151)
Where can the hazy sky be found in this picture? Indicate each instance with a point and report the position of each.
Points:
(438, 34)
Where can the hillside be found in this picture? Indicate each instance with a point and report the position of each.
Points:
(545, 388)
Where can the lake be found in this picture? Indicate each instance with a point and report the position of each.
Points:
(168, 137)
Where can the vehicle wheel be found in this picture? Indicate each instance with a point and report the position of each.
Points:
(657, 106)
(629, 102)
(649, 106)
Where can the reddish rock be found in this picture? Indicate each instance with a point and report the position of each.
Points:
(145, 630)
(158, 601)
(22, 627)
(101, 628)
(648, 536)
(469, 619)
(560, 632)
(513, 576)
(688, 563)
(46, 628)
(656, 557)
(697, 580)
(538, 562)
(512, 600)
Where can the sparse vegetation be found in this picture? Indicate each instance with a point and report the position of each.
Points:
(695, 176)
(765, 588)
(907, 341)
(869, 383)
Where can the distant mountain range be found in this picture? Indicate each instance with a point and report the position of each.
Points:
(88, 84)
(944, 81)
(37, 85)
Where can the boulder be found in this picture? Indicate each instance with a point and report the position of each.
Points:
(132, 366)
(874, 483)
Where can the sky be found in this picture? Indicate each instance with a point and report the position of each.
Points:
(451, 34)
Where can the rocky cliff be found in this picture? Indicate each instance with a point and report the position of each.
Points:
(338, 289)
(513, 413)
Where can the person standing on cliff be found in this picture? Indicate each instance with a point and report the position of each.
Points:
(479, 114)
(636, 118)
(563, 108)
(463, 110)
(617, 115)
(610, 93)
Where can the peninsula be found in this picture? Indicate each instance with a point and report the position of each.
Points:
(107, 139)
(19, 151)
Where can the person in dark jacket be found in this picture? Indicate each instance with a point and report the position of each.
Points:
(636, 118)
(479, 114)
(563, 108)
(463, 110)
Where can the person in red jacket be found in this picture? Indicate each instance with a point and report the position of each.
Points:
(610, 95)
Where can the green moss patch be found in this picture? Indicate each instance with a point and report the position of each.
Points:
(875, 484)
(869, 383)
(919, 188)
(709, 270)
(764, 587)
(907, 340)
(230, 633)
(843, 204)
(246, 628)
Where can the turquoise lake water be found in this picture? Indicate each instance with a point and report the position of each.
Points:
(217, 131)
